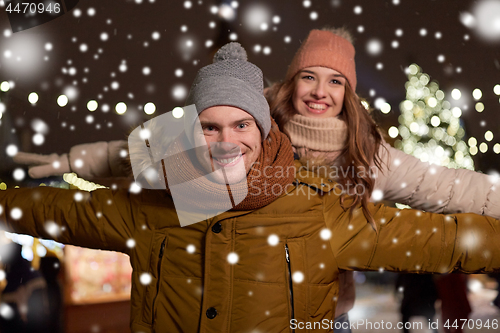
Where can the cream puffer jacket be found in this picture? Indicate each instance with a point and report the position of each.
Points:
(405, 179)
(285, 257)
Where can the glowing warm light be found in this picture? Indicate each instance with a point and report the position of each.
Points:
(456, 112)
(62, 100)
(33, 97)
(408, 105)
(472, 142)
(496, 89)
(413, 69)
(479, 107)
(456, 94)
(432, 102)
(92, 105)
(149, 108)
(385, 108)
(393, 132)
(488, 136)
(414, 127)
(5, 86)
(435, 121)
(379, 102)
(496, 148)
(121, 108)
(178, 112)
(477, 94)
(483, 147)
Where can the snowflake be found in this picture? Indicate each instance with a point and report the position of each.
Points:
(16, 213)
(145, 279)
(273, 240)
(232, 258)
(52, 228)
(298, 277)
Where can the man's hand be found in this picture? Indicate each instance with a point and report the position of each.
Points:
(41, 166)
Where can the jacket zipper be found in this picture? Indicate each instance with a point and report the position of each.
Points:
(290, 284)
(160, 256)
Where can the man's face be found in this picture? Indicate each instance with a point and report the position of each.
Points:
(234, 142)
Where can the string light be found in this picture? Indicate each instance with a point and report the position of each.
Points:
(430, 128)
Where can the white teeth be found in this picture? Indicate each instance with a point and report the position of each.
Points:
(228, 160)
(316, 106)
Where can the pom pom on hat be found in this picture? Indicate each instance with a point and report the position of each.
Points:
(231, 51)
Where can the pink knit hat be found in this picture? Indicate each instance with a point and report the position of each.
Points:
(324, 48)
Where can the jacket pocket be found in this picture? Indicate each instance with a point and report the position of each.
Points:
(155, 268)
(296, 279)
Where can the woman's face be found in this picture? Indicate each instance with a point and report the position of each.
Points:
(319, 92)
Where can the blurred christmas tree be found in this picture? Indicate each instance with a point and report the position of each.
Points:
(430, 128)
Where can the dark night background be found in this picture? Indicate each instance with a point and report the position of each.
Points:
(97, 71)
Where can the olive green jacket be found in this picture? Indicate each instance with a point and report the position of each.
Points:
(250, 271)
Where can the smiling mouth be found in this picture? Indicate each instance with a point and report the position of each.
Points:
(316, 106)
(227, 161)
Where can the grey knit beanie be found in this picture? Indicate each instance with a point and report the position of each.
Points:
(233, 81)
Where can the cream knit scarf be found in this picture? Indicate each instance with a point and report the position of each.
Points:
(317, 141)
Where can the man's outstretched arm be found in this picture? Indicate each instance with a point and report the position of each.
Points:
(101, 219)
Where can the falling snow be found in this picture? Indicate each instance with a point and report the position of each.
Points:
(145, 279)
(16, 213)
(232, 258)
(374, 47)
(273, 240)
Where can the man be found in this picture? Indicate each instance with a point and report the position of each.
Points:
(270, 263)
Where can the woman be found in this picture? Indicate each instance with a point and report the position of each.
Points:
(317, 107)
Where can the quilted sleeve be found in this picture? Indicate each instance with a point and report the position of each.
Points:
(101, 219)
(414, 241)
(405, 179)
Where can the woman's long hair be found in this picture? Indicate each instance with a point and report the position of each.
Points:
(362, 145)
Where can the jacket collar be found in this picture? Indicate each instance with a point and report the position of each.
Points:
(311, 179)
